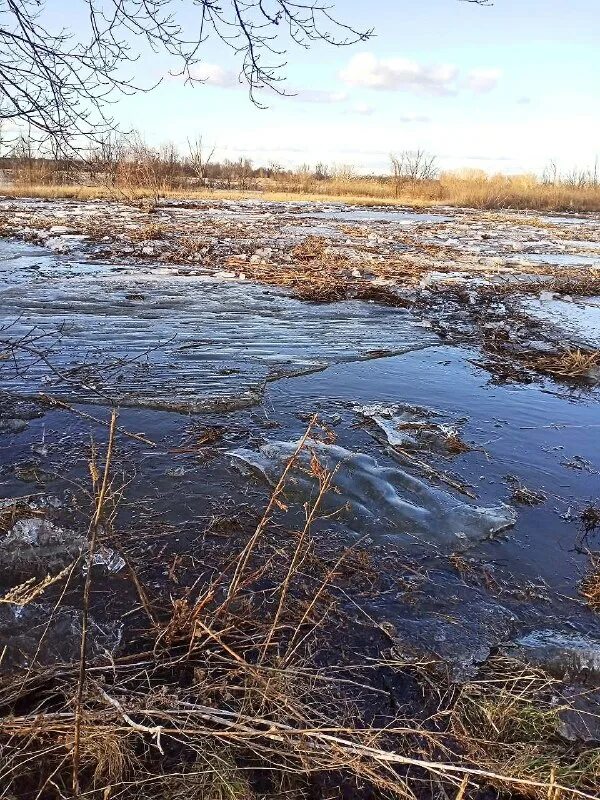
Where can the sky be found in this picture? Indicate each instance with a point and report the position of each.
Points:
(505, 88)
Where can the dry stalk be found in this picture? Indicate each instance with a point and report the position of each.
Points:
(325, 478)
(30, 590)
(92, 539)
(273, 503)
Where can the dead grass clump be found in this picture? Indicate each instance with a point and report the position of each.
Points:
(577, 283)
(512, 361)
(213, 776)
(575, 363)
(590, 518)
(107, 752)
(146, 233)
(523, 495)
(332, 291)
(589, 587)
(384, 295)
(508, 719)
(311, 249)
(455, 445)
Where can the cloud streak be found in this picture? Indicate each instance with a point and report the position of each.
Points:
(318, 96)
(216, 75)
(483, 80)
(367, 71)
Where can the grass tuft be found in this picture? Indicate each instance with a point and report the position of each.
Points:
(575, 363)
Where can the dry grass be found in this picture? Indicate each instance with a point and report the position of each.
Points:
(330, 290)
(509, 719)
(590, 518)
(575, 363)
(522, 495)
(464, 190)
(590, 585)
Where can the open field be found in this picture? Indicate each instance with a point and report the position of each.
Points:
(494, 192)
(298, 500)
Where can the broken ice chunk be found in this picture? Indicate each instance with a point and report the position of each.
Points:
(377, 500)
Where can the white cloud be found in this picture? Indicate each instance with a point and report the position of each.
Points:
(367, 71)
(411, 116)
(318, 96)
(363, 108)
(215, 75)
(483, 80)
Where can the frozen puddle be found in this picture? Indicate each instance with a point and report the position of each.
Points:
(560, 259)
(369, 498)
(376, 215)
(579, 320)
(570, 653)
(325, 231)
(567, 220)
(145, 336)
(41, 635)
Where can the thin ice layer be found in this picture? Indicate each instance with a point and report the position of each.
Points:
(36, 545)
(564, 653)
(380, 500)
(165, 337)
(41, 635)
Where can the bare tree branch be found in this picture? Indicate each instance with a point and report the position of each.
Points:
(60, 85)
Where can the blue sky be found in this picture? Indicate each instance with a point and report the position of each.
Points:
(503, 88)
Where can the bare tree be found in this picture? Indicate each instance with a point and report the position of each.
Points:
(576, 178)
(59, 83)
(141, 168)
(412, 166)
(200, 158)
(104, 158)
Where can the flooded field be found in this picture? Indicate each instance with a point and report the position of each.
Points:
(451, 360)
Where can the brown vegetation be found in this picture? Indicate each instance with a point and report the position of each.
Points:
(491, 192)
(590, 584)
(132, 170)
(576, 363)
(590, 518)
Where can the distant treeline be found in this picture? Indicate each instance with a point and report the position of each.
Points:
(129, 167)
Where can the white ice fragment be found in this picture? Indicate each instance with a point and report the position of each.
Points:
(63, 243)
(223, 273)
(563, 652)
(106, 557)
(30, 529)
(407, 426)
(175, 472)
